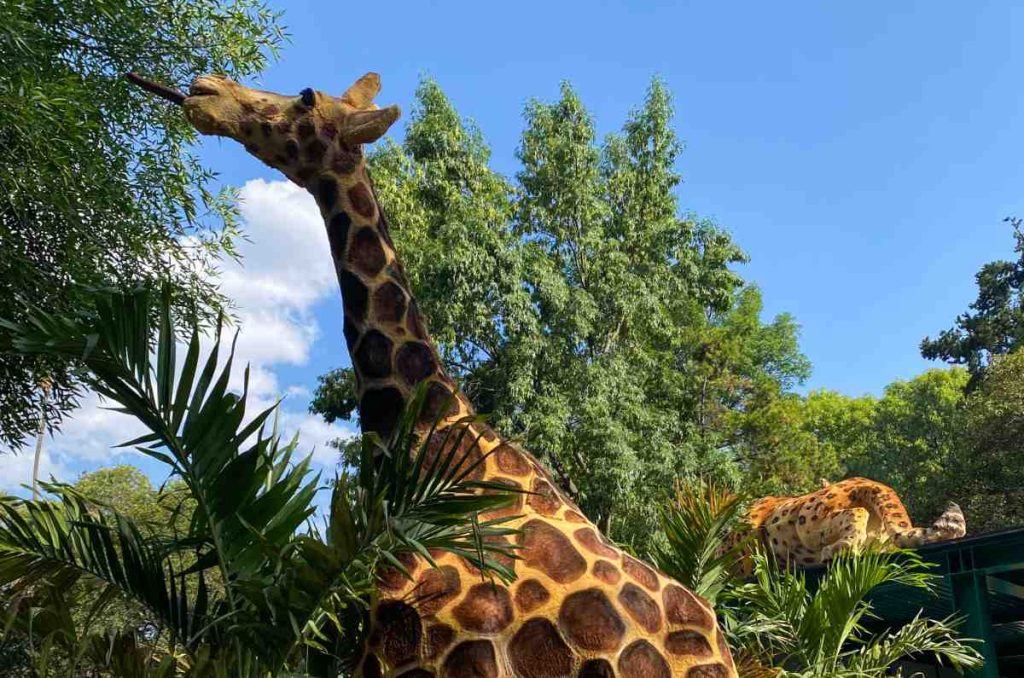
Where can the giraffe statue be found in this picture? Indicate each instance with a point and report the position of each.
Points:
(579, 605)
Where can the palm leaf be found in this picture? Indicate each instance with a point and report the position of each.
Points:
(54, 542)
(705, 538)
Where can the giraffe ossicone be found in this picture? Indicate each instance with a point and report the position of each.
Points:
(579, 605)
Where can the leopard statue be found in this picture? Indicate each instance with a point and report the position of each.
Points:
(848, 515)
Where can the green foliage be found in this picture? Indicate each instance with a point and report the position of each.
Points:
(98, 184)
(916, 441)
(995, 324)
(705, 541)
(820, 631)
(290, 591)
(575, 304)
(989, 472)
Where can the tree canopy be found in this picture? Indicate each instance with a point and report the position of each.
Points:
(98, 184)
(994, 325)
(578, 304)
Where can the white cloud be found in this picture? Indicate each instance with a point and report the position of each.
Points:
(285, 271)
(16, 469)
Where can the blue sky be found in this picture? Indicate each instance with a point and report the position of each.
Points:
(862, 154)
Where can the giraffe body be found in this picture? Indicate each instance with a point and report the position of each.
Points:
(579, 605)
(849, 515)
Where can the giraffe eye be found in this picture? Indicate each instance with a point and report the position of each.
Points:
(308, 97)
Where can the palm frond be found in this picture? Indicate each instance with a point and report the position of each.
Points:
(55, 542)
(840, 602)
(706, 540)
(413, 493)
(928, 637)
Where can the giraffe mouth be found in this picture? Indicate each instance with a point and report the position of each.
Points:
(201, 90)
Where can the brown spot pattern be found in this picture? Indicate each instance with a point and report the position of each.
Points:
(681, 607)
(392, 578)
(415, 362)
(510, 460)
(439, 637)
(640, 572)
(641, 660)
(543, 500)
(362, 202)
(365, 254)
(531, 594)
(606, 572)
(708, 671)
(538, 651)
(641, 607)
(688, 643)
(400, 630)
(590, 622)
(487, 608)
(373, 355)
(596, 668)
(471, 659)
(546, 549)
(590, 541)
(389, 303)
(435, 588)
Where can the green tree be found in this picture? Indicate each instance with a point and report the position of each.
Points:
(995, 324)
(98, 184)
(791, 442)
(917, 441)
(292, 593)
(988, 473)
(576, 305)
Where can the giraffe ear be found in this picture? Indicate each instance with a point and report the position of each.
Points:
(364, 127)
(360, 95)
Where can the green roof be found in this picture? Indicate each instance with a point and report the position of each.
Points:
(983, 580)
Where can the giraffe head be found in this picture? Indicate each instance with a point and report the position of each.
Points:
(300, 135)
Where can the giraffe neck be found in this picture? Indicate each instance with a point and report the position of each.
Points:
(387, 338)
